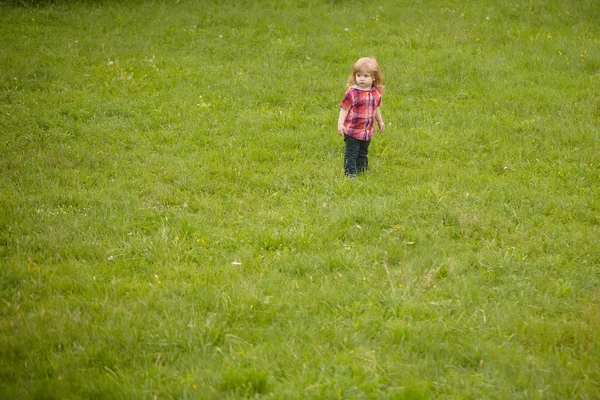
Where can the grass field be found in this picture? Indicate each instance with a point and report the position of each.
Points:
(175, 222)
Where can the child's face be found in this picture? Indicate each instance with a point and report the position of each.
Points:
(364, 79)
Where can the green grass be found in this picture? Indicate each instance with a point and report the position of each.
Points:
(175, 222)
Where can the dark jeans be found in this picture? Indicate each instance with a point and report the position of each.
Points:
(355, 157)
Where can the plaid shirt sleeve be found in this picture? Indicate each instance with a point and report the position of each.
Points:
(346, 103)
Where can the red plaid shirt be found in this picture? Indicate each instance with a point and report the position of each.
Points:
(361, 117)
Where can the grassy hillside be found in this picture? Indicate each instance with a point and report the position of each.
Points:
(175, 223)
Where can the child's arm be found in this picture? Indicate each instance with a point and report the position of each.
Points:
(379, 119)
(341, 120)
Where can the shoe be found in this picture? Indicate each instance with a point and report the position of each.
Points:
(352, 176)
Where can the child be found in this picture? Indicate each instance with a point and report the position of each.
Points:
(359, 110)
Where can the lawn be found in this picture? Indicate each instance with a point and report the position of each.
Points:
(175, 222)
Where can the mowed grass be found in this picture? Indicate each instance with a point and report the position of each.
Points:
(175, 222)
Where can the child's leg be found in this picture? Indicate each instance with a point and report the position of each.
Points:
(362, 162)
(352, 149)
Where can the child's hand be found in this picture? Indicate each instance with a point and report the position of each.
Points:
(381, 125)
(341, 130)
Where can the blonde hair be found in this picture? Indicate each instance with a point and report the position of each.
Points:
(370, 65)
